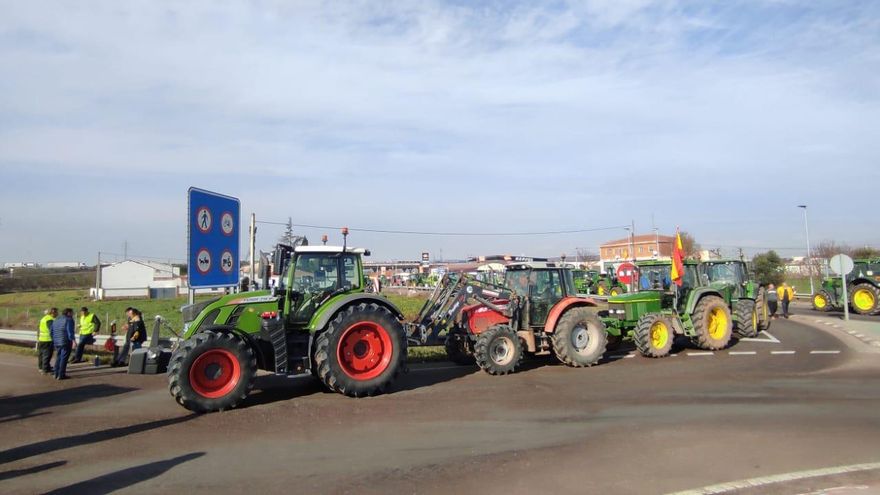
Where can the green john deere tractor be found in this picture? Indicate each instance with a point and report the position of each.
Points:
(593, 282)
(746, 299)
(863, 289)
(317, 320)
(660, 310)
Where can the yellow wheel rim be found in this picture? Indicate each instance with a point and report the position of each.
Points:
(819, 301)
(863, 299)
(717, 323)
(601, 291)
(659, 335)
(615, 292)
(755, 318)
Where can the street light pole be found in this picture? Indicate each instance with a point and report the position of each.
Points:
(809, 256)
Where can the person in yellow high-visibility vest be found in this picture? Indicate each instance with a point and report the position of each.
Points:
(89, 325)
(786, 296)
(44, 341)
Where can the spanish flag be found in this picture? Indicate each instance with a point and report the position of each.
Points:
(677, 260)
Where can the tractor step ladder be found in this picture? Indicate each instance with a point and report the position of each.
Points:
(274, 329)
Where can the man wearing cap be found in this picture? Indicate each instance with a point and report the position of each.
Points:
(89, 325)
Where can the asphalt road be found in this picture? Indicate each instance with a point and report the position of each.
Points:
(794, 400)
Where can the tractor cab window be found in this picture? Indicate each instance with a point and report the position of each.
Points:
(655, 277)
(546, 290)
(518, 281)
(350, 279)
(730, 273)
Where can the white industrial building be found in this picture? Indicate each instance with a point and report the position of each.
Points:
(132, 278)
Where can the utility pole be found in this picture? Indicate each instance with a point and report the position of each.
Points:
(252, 243)
(125, 250)
(809, 256)
(98, 278)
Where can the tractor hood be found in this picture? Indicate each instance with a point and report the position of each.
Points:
(220, 310)
(633, 297)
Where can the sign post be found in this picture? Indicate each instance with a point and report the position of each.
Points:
(212, 240)
(842, 265)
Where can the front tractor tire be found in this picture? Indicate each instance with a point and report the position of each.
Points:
(361, 352)
(864, 299)
(579, 339)
(713, 323)
(616, 290)
(746, 318)
(654, 335)
(498, 350)
(821, 301)
(211, 371)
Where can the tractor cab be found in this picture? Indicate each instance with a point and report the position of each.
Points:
(541, 285)
(314, 274)
(732, 274)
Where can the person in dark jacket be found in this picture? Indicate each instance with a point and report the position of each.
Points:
(64, 339)
(135, 335)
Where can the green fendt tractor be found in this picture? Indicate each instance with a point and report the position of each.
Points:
(317, 320)
(746, 299)
(593, 282)
(660, 310)
(863, 289)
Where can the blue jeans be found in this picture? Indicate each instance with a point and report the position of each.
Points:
(61, 360)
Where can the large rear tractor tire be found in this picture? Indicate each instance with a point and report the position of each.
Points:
(864, 299)
(580, 338)
(822, 301)
(713, 323)
(763, 310)
(456, 349)
(746, 318)
(498, 350)
(361, 352)
(653, 335)
(601, 289)
(211, 371)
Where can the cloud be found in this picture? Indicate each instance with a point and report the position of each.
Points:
(597, 108)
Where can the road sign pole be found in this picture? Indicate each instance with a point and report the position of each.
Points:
(845, 297)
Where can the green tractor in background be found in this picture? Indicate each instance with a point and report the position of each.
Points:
(594, 282)
(863, 288)
(317, 320)
(659, 311)
(745, 297)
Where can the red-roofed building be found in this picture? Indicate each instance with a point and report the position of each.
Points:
(639, 247)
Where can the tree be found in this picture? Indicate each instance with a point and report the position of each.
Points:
(690, 246)
(865, 252)
(768, 268)
(828, 248)
(289, 238)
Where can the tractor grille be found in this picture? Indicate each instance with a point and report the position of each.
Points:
(617, 310)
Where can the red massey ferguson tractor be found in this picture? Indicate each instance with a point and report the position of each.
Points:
(535, 311)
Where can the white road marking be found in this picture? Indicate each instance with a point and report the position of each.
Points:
(824, 352)
(742, 353)
(782, 352)
(770, 338)
(779, 478)
(629, 356)
(859, 335)
(701, 354)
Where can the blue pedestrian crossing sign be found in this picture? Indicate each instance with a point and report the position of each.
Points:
(213, 239)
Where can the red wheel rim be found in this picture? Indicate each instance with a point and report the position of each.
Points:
(215, 373)
(364, 350)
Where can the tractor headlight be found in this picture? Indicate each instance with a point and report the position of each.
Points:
(618, 310)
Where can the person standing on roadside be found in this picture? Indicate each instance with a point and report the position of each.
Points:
(89, 325)
(786, 295)
(135, 335)
(63, 338)
(772, 300)
(45, 346)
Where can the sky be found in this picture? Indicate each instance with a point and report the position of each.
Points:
(431, 116)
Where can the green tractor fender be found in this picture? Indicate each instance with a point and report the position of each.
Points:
(329, 309)
(698, 294)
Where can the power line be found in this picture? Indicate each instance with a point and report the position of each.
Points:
(463, 234)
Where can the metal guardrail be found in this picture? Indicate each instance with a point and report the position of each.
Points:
(30, 336)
